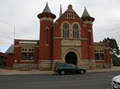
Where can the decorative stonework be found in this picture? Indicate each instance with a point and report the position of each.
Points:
(76, 50)
(71, 43)
(88, 22)
(99, 47)
(46, 19)
(27, 43)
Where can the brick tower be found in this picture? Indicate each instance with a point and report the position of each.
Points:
(45, 39)
(88, 26)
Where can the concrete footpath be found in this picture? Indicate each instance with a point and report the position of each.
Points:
(18, 72)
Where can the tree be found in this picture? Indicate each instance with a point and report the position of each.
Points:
(114, 50)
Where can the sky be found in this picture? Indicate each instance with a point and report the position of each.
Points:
(18, 18)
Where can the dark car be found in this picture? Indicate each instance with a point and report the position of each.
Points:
(65, 68)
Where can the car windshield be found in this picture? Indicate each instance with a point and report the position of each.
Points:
(73, 66)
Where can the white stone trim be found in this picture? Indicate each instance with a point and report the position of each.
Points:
(27, 60)
(46, 19)
(71, 43)
(70, 38)
(47, 28)
(88, 22)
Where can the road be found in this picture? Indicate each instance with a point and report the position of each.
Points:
(86, 81)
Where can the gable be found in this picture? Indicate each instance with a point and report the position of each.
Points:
(69, 14)
(70, 17)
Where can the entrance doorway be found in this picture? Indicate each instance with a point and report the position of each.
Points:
(71, 58)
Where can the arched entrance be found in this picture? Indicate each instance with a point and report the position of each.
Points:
(71, 58)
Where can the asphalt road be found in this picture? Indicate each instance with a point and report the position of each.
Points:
(86, 81)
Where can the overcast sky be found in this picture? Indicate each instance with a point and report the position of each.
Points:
(21, 15)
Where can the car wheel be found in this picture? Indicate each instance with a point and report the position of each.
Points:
(62, 72)
(82, 72)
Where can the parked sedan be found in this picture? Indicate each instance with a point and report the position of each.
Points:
(65, 68)
(115, 84)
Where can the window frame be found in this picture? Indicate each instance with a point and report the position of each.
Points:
(75, 30)
(65, 30)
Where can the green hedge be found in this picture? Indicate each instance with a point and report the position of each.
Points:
(116, 62)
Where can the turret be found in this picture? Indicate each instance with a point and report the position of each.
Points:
(46, 14)
(86, 17)
(88, 23)
(46, 30)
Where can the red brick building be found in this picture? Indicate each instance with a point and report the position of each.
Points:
(68, 39)
(3, 59)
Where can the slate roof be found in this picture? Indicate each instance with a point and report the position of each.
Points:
(10, 49)
(46, 9)
(85, 13)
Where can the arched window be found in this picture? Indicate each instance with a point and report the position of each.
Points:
(89, 37)
(65, 30)
(46, 35)
(75, 31)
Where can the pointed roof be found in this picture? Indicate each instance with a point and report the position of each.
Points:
(45, 12)
(46, 9)
(85, 13)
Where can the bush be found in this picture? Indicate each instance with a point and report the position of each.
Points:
(116, 62)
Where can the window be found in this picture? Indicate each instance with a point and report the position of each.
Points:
(24, 49)
(31, 49)
(24, 56)
(89, 37)
(70, 16)
(30, 56)
(75, 31)
(65, 30)
(96, 56)
(47, 36)
(96, 51)
(101, 56)
(101, 51)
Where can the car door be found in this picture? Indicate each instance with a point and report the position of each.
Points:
(74, 69)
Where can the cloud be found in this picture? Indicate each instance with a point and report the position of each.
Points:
(23, 15)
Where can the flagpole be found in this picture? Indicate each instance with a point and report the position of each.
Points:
(14, 31)
(14, 35)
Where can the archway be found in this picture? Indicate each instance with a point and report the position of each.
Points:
(71, 58)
